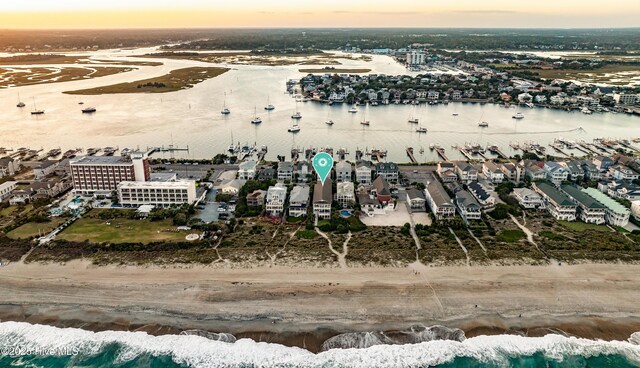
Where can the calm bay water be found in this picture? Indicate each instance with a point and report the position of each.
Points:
(192, 117)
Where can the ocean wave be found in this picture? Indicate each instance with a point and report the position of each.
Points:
(197, 351)
(414, 335)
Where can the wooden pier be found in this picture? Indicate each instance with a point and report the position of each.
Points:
(440, 152)
(410, 154)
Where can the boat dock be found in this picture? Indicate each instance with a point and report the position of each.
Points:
(262, 153)
(410, 154)
(378, 154)
(496, 151)
(440, 152)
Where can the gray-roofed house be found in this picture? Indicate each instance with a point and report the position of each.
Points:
(589, 210)
(466, 172)
(447, 172)
(43, 169)
(276, 197)
(8, 166)
(247, 170)
(298, 201)
(492, 172)
(388, 170)
(322, 199)
(343, 171)
(468, 207)
(439, 201)
(559, 205)
(266, 173)
(603, 163)
(556, 173)
(6, 188)
(482, 195)
(528, 199)
(304, 171)
(285, 171)
(416, 200)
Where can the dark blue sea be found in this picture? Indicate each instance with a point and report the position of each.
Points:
(26, 345)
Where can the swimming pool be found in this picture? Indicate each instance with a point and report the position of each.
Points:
(345, 213)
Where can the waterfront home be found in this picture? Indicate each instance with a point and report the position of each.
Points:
(589, 210)
(322, 199)
(380, 189)
(369, 204)
(343, 171)
(298, 201)
(276, 197)
(621, 190)
(556, 174)
(433, 95)
(304, 171)
(247, 170)
(603, 163)
(635, 210)
(528, 199)
(439, 201)
(465, 171)
(363, 172)
(266, 173)
(482, 195)
(285, 171)
(511, 171)
(559, 205)
(456, 95)
(468, 207)
(615, 213)
(20, 198)
(446, 171)
(256, 198)
(590, 170)
(492, 172)
(416, 200)
(232, 186)
(388, 170)
(42, 169)
(345, 194)
(575, 170)
(621, 172)
(6, 188)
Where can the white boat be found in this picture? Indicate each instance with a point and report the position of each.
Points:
(483, 124)
(414, 120)
(353, 109)
(365, 122)
(256, 119)
(329, 122)
(269, 106)
(585, 110)
(294, 128)
(296, 115)
(518, 115)
(421, 130)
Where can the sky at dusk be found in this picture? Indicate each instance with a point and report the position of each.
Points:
(324, 13)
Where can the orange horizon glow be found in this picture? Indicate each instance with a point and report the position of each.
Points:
(70, 14)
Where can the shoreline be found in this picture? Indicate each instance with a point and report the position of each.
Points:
(305, 306)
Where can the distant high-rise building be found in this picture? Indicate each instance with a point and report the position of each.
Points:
(415, 58)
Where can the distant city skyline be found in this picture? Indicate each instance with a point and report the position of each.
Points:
(329, 13)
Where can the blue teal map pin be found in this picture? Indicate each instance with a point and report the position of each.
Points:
(322, 163)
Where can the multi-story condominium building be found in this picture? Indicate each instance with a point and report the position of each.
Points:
(322, 199)
(388, 170)
(439, 201)
(528, 199)
(492, 172)
(160, 193)
(285, 171)
(276, 197)
(343, 171)
(559, 205)
(363, 172)
(345, 193)
(298, 201)
(556, 173)
(415, 58)
(589, 210)
(466, 172)
(615, 213)
(468, 207)
(247, 170)
(102, 174)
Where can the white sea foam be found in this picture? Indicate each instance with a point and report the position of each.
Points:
(198, 351)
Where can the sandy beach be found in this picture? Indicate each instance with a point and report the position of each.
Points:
(304, 306)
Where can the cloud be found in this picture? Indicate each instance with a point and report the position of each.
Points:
(485, 11)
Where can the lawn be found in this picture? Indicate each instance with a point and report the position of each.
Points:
(511, 236)
(581, 226)
(32, 229)
(121, 231)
